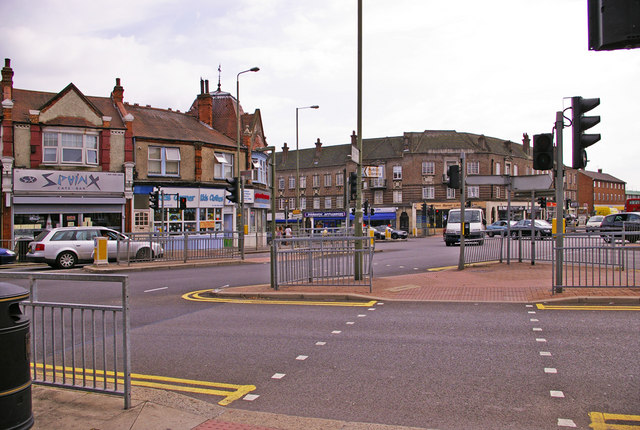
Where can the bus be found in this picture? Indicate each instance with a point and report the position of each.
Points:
(632, 205)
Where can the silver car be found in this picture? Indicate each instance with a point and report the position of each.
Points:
(64, 247)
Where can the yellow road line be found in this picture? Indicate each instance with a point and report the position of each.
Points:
(140, 380)
(588, 307)
(598, 421)
(197, 296)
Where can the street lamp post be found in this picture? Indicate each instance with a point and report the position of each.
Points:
(298, 157)
(241, 203)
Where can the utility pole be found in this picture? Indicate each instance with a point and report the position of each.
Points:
(358, 215)
(559, 201)
(462, 205)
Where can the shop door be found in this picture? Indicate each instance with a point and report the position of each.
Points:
(404, 221)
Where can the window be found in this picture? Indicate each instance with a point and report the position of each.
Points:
(397, 196)
(292, 203)
(281, 183)
(260, 170)
(303, 203)
(497, 168)
(223, 165)
(473, 168)
(327, 180)
(292, 182)
(451, 193)
(164, 161)
(473, 191)
(397, 172)
(316, 181)
(303, 181)
(378, 197)
(507, 168)
(428, 168)
(515, 170)
(316, 202)
(497, 191)
(70, 148)
(340, 202)
(339, 179)
(281, 204)
(327, 202)
(428, 193)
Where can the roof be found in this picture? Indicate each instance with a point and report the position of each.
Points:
(599, 176)
(166, 124)
(386, 148)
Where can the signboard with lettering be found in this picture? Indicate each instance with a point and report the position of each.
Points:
(67, 182)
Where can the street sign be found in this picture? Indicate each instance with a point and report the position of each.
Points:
(372, 172)
(246, 173)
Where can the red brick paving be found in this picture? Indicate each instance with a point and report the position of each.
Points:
(221, 425)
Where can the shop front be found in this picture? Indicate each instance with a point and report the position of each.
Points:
(44, 199)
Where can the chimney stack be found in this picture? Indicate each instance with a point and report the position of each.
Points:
(526, 143)
(204, 104)
(7, 80)
(118, 92)
(285, 152)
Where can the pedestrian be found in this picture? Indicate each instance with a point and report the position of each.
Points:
(287, 233)
(279, 232)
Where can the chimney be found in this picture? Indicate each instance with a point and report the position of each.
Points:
(599, 170)
(285, 151)
(205, 104)
(354, 138)
(7, 80)
(405, 143)
(526, 144)
(318, 146)
(117, 95)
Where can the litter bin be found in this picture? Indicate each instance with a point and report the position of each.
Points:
(15, 376)
(22, 247)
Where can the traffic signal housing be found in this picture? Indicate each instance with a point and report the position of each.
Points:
(580, 123)
(233, 190)
(542, 201)
(453, 172)
(353, 185)
(154, 200)
(183, 203)
(543, 151)
(366, 207)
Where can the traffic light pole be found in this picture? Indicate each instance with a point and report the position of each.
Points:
(559, 199)
(462, 205)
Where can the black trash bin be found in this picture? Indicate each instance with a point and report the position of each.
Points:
(15, 376)
(22, 248)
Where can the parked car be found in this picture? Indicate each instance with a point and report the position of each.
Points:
(498, 227)
(612, 226)
(593, 223)
(380, 232)
(7, 256)
(523, 228)
(64, 247)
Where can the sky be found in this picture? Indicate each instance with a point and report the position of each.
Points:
(495, 67)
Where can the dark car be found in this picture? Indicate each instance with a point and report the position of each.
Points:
(7, 256)
(380, 232)
(613, 226)
(498, 227)
(523, 228)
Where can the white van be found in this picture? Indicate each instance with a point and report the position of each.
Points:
(476, 221)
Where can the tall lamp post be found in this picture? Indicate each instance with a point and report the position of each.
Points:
(298, 156)
(241, 203)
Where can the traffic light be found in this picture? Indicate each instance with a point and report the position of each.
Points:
(580, 123)
(542, 201)
(567, 204)
(453, 172)
(543, 151)
(423, 208)
(353, 211)
(353, 185)
(232, 188)
(183, 203)
(372, 211)
(154, 200)
(366, 207)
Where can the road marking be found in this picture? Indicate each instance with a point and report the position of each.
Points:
(588, 307)
(230, 392)
(278, 376)
(156, 289)
(565, 422)
(537, 329)
(545, 353)
(541, 339)
(534, 319)
(250, 397)
(197, 296)
(350, 322)
(550, 370)
(302, 357)
(598, 421)
(558, 394)
(336, 332)
(321, 343)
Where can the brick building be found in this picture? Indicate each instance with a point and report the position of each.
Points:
(70, 159)
(600, 193)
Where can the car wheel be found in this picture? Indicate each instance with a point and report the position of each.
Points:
(66, 260)
(143, 254)
(394, 235)
(448, 243)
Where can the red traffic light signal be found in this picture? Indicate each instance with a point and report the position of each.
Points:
(183, 203)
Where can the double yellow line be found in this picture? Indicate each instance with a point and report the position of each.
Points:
(588, 307)
(198, 296)
(229, 392)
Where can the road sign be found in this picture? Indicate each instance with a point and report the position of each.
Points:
(372, 172)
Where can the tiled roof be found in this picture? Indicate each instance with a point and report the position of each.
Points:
(599, 176)
(164, 124)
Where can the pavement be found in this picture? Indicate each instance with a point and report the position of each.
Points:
(57, 408)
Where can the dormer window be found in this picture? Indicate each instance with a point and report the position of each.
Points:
(68, 147)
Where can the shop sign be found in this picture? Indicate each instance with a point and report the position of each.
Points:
(31, 180)
(334, 214)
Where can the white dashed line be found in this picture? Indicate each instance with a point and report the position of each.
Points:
(380, 303)
(155, 289)
(251, 397)
(541, 339)
(362, 315)
(528, 306)
(545, 353)
(278, 376)
(302, 357)
(371, 309)
(565, 422)
(336, 332)
(558, 394)
(537, 329)
(350, 322)
(534, 320)
(531, 312)
(321, 343)
(550, 370)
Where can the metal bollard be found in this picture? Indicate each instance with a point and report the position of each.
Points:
(15, 376)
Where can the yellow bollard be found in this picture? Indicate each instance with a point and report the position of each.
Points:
(100, 253)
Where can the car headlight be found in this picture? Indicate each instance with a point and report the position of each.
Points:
(10, 252)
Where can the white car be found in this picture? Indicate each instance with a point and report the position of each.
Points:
(593, 224)
(64, 247)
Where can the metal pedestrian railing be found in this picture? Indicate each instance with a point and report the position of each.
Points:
(79, 346)
(324, 260)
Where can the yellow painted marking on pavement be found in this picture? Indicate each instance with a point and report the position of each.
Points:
(232, 393)
(588, 307)
(599, 421)
(197, 296)
(403, 287)
(440, 269)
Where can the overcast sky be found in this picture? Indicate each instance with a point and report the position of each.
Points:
(495, 67)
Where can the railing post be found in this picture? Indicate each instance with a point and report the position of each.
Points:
(185, 245)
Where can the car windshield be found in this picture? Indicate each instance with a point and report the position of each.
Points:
(469, 216)
(42, 235)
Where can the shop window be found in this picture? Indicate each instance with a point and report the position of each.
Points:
(164, 161)
(70, 148)
(222, 165)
